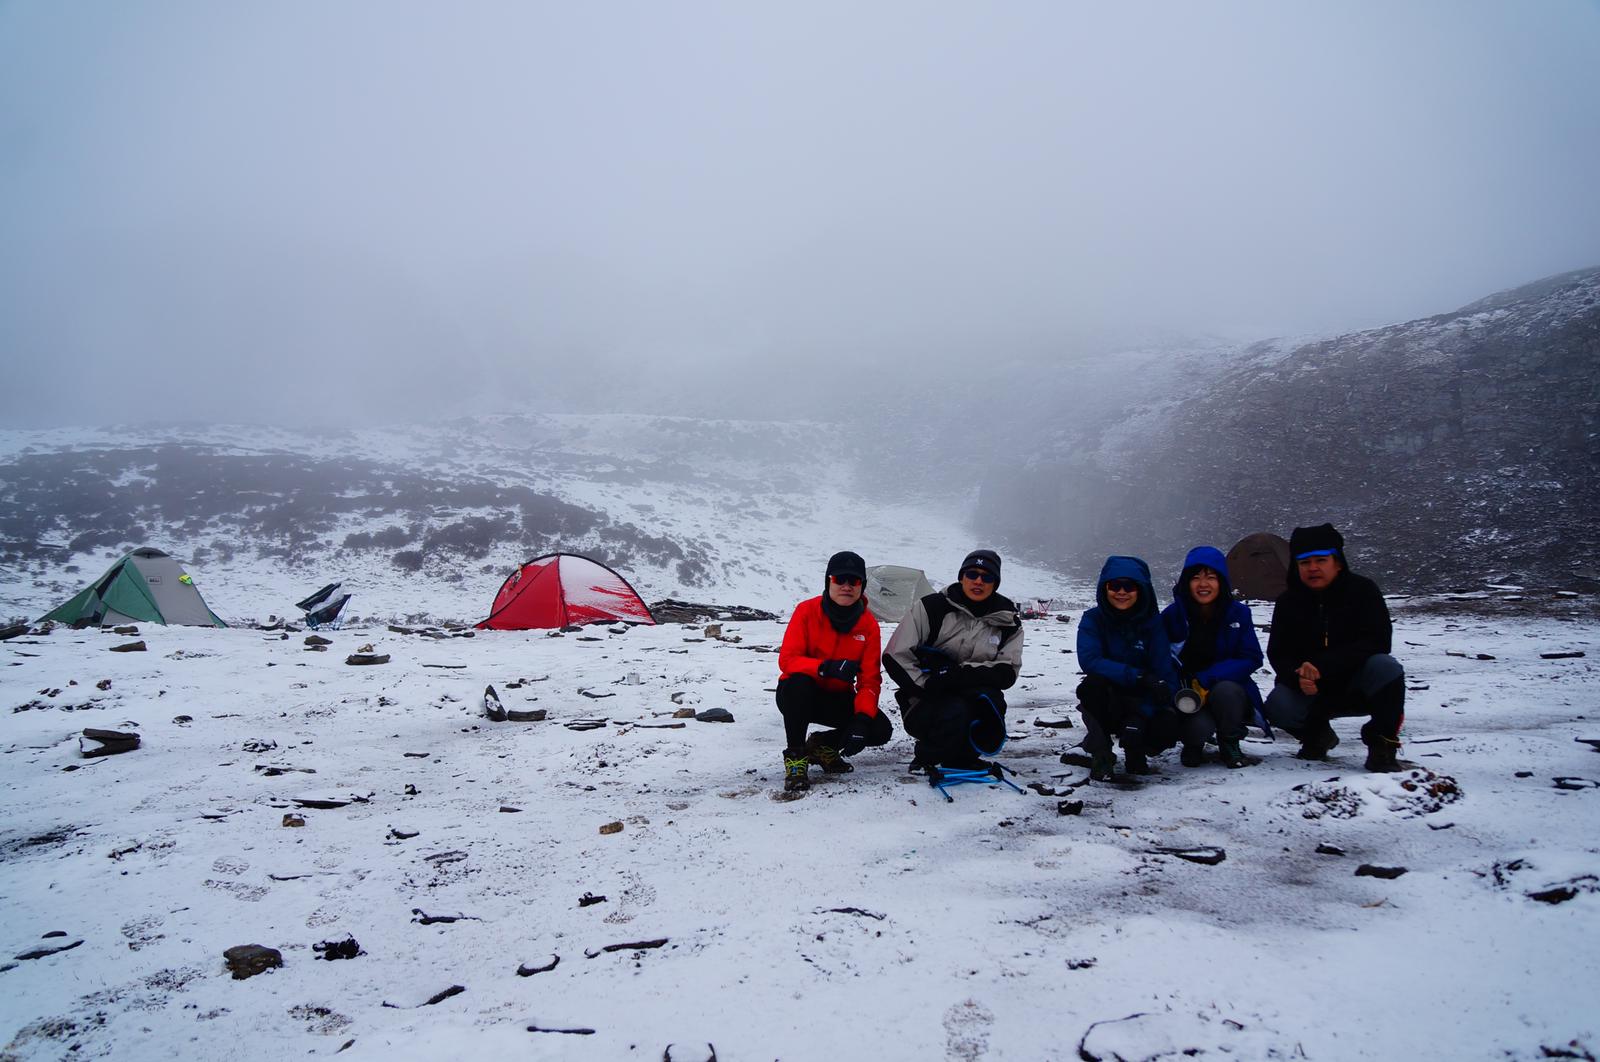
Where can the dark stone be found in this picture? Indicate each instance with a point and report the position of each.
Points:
(589, 899)
(39, 953)
(715, 715)
(1206, 855)
(529, 971)
(1330, 849)
(1369, 870)
(530, 715)
(637, 945)
(247, 960)
(130, 647)
(338, 949)
(128, 629)
(1070, 807)
(367, 658)
(492, 708)
(317, 639)
(1077, 759)
(1054, 724)
(109, 742)
(1560, 656)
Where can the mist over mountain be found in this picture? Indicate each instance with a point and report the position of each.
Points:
(1452, 449)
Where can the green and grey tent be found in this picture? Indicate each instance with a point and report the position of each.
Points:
(893, 589)
(145, 586)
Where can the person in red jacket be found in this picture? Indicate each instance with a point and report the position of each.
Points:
(829, 674)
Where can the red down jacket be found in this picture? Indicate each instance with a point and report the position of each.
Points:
(810, 639)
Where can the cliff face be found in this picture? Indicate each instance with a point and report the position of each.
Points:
(1450, 450)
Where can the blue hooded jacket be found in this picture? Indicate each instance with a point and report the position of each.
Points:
(1238, 651)
(1121, 645)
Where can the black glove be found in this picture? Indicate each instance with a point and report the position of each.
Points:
(1152, 690)
(947, 677)
(843, 670)
(855, 738)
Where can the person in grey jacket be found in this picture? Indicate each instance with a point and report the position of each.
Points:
(951, 658)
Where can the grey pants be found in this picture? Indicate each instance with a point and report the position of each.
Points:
(1378, 690)
(1225, 711)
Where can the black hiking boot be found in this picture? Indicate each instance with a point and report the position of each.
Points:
(1232, 755)
(1102, 765)
(795, 768)
(1192, 755)
(1318, 741)
(1137, 764)
(822, 751)
(1382, 755)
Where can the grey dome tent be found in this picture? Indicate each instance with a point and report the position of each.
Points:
(1258, 566)
(891, 590)
(145, 586)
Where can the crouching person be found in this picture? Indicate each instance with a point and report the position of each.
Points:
(1215, 648)
(1129, 681)
(829, 675)
(951, 658)
(1329, 648)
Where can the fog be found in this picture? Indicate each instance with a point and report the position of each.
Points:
(375, 210)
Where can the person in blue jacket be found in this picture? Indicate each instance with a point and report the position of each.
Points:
(1216, 651)
(1129, 681)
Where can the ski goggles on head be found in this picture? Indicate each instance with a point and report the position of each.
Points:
(1121, 586)
(978, 575)
(1313, 553)
(845, 580)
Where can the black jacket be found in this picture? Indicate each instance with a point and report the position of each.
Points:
(1337, 629)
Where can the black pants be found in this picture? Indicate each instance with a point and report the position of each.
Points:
(803, 702)
(1377, 690)
(1224, 713)
(1111, 711)
(957, 727)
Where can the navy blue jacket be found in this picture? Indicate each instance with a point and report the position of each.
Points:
(1238, 650)
(1121, 645)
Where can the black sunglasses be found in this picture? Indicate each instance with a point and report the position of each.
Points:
(845, 580)
(1122, 586)
(978, 575)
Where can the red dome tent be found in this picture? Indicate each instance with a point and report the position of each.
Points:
(564, 589)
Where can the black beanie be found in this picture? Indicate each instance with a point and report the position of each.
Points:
(846, 563)
(1318, 539)
(986, 559)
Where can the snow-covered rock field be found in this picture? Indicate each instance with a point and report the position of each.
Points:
(870, 919)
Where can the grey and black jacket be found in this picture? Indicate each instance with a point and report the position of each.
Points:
(983, 640)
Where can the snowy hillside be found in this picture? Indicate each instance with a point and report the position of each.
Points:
(424, 522)
(532, 890)
(1454, 450)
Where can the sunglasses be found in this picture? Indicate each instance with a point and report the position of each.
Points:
(978, 575)
(845, 580)
(1121, 586)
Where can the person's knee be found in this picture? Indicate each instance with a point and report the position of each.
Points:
(797, 692)
(1287, 708)
(1379, 671)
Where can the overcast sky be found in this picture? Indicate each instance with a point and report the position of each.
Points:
(228, 210)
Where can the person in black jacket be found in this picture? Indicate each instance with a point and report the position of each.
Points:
(1330, 646)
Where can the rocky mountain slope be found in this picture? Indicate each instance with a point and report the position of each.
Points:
(425, 521)
(1452, 450)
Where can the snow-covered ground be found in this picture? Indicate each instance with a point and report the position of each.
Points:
(869, 919)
